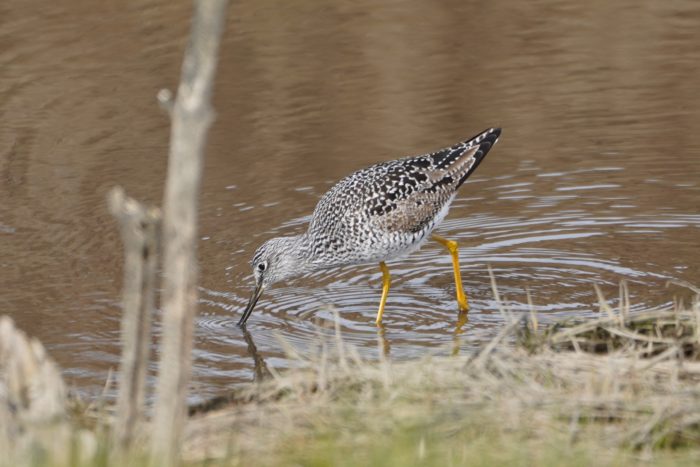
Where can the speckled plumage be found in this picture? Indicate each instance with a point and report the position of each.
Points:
(375, 214)
(387, 210)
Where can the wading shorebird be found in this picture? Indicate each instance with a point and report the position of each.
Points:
(374, 215)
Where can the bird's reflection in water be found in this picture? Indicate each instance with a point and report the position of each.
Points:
(462, 319)
(260, 370)
(382, 342)
(261, 373)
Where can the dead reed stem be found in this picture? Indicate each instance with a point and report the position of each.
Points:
(139, 227)
(191, 117)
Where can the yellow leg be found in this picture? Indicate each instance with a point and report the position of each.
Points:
(386, 282)
(451, 246)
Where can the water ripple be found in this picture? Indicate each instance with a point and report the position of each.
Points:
(557, 257)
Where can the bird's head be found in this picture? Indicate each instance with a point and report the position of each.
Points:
(276, 260)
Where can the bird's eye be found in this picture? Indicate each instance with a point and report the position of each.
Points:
(261, 267)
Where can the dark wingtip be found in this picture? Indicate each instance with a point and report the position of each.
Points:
(487, 138)
(491, 132)
(485, 141)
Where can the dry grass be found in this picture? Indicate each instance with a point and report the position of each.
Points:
(614, 391)
(620, 390)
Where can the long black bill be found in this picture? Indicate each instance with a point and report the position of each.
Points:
(251, 304)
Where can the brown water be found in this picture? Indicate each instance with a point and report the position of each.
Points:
(595, 179)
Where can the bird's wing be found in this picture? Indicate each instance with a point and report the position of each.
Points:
(417, 188)
(401, 195)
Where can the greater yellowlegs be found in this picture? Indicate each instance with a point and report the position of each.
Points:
(374, 215)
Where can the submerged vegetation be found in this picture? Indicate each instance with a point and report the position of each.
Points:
(618, 390)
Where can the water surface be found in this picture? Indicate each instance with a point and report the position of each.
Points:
(595, 179)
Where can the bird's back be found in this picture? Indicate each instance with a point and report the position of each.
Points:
(388, 209)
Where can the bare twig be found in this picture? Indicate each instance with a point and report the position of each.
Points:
(191, 118)
(139, 228)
